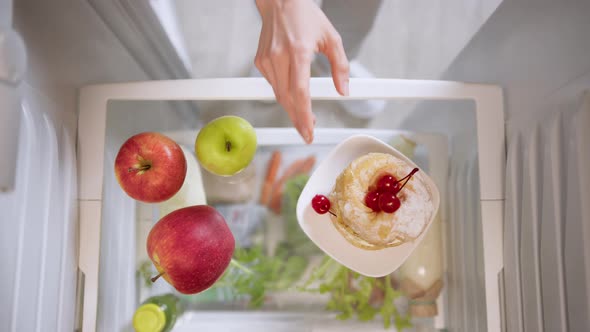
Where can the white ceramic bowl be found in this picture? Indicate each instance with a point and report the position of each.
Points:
(319, 227)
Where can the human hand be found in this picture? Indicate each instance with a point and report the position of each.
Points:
(292, 32)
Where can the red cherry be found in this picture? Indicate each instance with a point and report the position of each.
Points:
(320, 203)
(388, 202)
(372, 200)
(388, 183)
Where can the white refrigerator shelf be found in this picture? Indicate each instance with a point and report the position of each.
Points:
(91, 147)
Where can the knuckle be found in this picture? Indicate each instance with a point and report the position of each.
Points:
(344, 66)
(276, 51)
(265, 62)
(335, 37)
(301, 90)
(300, 48)
(288, 101)
(258, 62)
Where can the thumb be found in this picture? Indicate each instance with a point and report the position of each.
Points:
(334, 51)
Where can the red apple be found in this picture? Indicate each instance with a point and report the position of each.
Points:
(150, 167)
(191, 248)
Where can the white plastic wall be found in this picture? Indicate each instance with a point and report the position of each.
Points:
(537, 50)
(68, 45)
(38, 230)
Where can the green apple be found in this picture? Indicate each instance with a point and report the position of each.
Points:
(226, 145)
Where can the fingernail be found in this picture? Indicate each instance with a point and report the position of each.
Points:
(345, 88)
(309, 136)
(305, 135)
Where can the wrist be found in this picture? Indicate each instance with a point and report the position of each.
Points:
(264, 5)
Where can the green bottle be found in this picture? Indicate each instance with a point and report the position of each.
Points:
(157, 314)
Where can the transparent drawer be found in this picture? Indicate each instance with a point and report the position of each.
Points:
(269, 242)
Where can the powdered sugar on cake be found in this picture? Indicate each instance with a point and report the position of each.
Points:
(378, 228)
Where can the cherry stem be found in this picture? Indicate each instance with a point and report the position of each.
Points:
(158, 276)
(408, 177)
(332, 213)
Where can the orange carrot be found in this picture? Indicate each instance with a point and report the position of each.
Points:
(307, 165)
(271, 174)
(298, 167)
(277, 192)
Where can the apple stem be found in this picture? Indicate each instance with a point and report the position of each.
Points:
(228, 146)
(240, 266)
(158, 276)
(139, 169)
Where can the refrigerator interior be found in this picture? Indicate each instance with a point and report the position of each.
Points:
(41, 223)
(535, 50)
(125, 224)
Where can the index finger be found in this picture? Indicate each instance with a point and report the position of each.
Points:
(334, 50)
(300, 76)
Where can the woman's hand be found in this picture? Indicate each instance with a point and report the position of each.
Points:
(292, 32)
